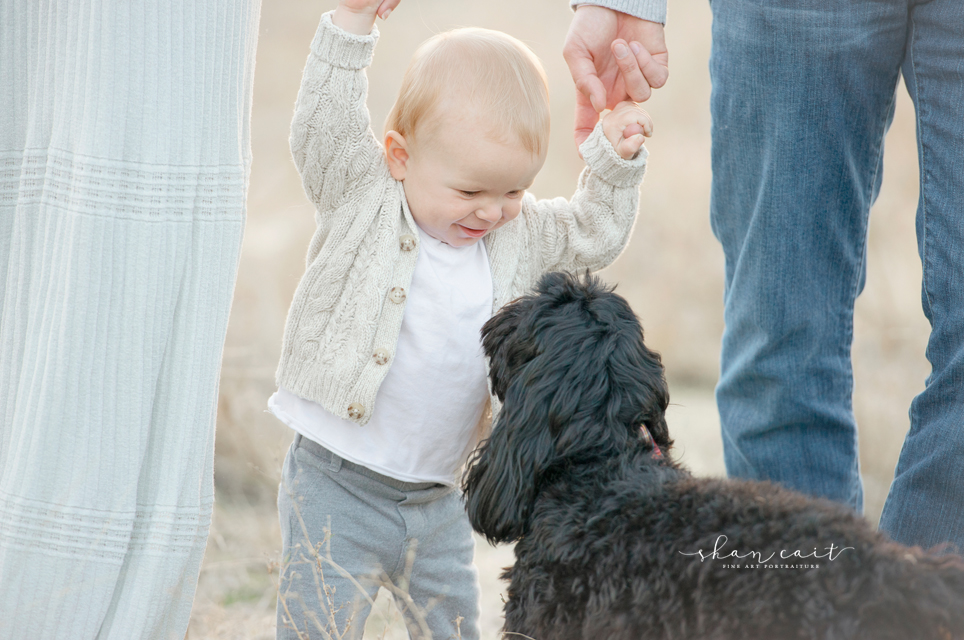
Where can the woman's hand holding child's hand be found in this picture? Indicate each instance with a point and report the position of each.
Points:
(626, 127)
(358, 16)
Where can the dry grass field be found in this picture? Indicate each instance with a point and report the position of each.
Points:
(672, 274)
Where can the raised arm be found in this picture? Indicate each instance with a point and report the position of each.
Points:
(590, 230)
(332, 143)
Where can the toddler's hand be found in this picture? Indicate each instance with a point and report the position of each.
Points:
(625, 127)
(358, 16)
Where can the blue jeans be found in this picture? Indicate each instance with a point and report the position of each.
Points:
(803, 93)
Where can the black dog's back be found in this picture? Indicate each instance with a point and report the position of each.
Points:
(635, 559)
(616, 541)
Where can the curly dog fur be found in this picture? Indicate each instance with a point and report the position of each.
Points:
(602, 521)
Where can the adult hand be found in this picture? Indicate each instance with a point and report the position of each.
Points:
(612, 57)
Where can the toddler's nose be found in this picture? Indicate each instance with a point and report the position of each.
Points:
(490, 214)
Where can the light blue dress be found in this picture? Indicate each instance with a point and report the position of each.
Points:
(124, 157)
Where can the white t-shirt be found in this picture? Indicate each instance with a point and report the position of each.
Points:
(423, 425)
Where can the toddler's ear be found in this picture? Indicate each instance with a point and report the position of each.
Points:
(396, 151)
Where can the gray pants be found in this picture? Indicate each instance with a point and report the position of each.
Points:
(348, 530)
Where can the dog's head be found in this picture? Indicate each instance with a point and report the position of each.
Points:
(576, 382)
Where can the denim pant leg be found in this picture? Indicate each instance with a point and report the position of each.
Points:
(926, 502)
(803, 92)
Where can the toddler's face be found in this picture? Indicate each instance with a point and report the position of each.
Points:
(461, 184)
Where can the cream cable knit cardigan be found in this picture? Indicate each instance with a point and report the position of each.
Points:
(347, 309)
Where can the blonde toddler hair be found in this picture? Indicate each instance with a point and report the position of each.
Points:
(489, 71)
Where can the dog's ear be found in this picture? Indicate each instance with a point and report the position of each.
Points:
(504, 347)
(559, 408)
(546, 366)
(500, 486)
(576, 380)
(647, 386)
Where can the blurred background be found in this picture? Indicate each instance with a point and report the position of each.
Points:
(672, 274)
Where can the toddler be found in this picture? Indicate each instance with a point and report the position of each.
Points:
(419, 240)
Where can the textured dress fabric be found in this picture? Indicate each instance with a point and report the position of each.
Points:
(124, 159)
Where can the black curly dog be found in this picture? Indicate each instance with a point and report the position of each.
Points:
(616, 541)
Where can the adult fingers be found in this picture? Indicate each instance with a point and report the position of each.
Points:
(590, 93)
(584, 76)
(386, 7)
(653, 68)
(636, 85)
(586, 118)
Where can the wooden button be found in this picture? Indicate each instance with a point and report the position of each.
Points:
(407, 242)
(381, 356)
(356, 410)
(397, 295)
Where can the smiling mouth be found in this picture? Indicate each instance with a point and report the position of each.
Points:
(473, 233)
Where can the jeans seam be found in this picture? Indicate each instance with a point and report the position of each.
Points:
(864, 240)
(919, 106)
(735, 449)
(855, 284)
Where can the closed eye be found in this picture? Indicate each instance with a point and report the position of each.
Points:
(469, 194)
(515, 194)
